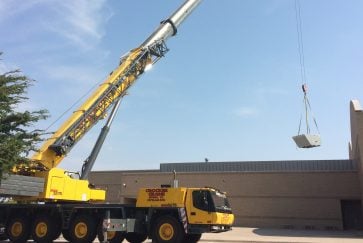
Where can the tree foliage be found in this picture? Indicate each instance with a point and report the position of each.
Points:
(17, 138)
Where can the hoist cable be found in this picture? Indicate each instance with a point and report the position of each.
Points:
(307, 108)
(298, 132)
(300, 40)
(312, 115)
(306, 102)
(73, 105)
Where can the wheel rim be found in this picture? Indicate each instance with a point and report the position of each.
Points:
(80, 230)
(16, 229)
(166, 231)
(41, 229)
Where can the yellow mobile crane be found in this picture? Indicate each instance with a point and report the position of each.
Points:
(56, 202)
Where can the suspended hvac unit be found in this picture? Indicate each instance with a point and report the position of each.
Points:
(307, 140)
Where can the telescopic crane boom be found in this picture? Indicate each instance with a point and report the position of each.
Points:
(131, 66)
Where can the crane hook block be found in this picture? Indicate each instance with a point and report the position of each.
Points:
(304, 88)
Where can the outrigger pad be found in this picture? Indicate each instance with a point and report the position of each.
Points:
(307, 140)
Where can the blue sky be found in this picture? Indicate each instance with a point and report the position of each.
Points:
(229, 89)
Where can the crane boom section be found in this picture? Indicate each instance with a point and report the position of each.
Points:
(93, 109)
(131, 66)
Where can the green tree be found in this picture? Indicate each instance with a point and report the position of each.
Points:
(17, 139)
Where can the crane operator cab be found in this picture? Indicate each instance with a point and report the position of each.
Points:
(200, 209)
(210, 206)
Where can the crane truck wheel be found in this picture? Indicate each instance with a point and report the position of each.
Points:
(44, 229)
(112, 236)
(83, 229)
(58, 231)
(17, 229)
(168, 230)
(135, 238)
(65, 234)
(192, 238)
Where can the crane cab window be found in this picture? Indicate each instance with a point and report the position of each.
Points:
(211, 201)
(220, 202)
(202, 200)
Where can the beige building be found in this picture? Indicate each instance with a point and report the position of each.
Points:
(322, 194)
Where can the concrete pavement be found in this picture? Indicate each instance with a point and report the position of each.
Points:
(284, 236)
(258, 235)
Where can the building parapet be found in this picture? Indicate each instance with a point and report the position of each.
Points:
(262, 166)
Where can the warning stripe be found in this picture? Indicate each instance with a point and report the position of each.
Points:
(183, 218)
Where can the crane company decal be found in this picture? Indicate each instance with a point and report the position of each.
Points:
(156, 195)
(225, 219)
(55, 192)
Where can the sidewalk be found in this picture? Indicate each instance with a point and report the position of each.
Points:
(284, 235)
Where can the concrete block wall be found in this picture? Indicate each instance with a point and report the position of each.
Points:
(356, 146)
(302, 200)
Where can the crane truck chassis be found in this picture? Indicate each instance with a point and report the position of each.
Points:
(50, 201)
(162, 214)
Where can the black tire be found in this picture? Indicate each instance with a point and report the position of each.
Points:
(18, 229)
(83, 229)
(3, 238)
(168, 230)
(58, 232)
(112, 236)
(44, 229)
(65, 234)
(58, 227)
(135, 238)
(192, 238)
